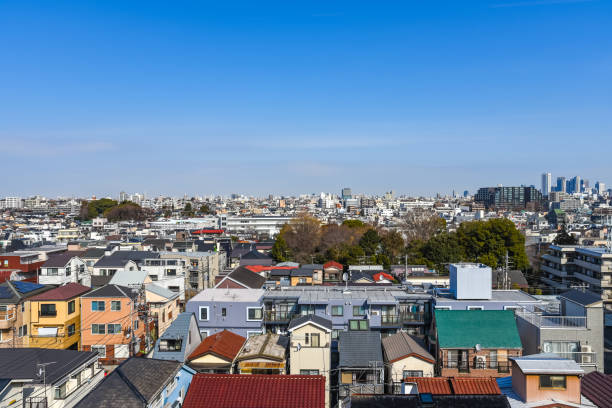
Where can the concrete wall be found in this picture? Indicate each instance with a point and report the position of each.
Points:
(395, 372)
(470, 281)
(234, 321)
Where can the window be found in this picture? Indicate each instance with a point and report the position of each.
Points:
(71, 307)
(556, 382)
(52, 271)
(68, 271)
(204, 334)
(337, 311)
(203, 312)
(512, 308)
(48, 309)
(153, 277)
(412, 373)
(60, 392)
(254, 313)
(101, 351)
(170, 345)
(170, 272)
(358, 325)
(359, 310)
(309, 372)
(475, 308)
(443, 308)
(335, 334)
(174, 288)
(223, 311)
(115, 305)
(314, 340)
(135, 324)
(98, 329)
(97, 306)
(114, 328)
(493, 358)
(22, 308)
(71, 330)
(251, 333)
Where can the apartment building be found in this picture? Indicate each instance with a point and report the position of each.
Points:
(55, 317)
(167, 273)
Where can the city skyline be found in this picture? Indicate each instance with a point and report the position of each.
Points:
(302, 97)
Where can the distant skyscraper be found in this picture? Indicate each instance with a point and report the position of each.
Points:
(601, 187)
(514, 198)
(561, 187)
(546, 184)
(347, 193)
(123, 196)
(574, 185)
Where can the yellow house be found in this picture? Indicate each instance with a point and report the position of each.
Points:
(301, 277)
(55, 317)
(163, 304)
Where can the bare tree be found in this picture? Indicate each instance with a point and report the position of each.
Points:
(421, 223)
(302, 236)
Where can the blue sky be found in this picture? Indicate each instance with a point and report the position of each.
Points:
(290, 97)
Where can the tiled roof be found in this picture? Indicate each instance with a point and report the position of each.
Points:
(584, 298)
(597, 387)
(246, 277)
(467, 328)
(255, 255)
(382, 275)
(359, 348)
(317, 320)
(256, 391)
(65, 292)
(60, 260)
(224, 344)
(401, 345)
(20, 363)
(332, 264)
(436, 386)
(475, 386)
(112, 291)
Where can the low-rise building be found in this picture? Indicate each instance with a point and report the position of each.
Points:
(405, 357)
(263, 354)
(361, 368)
(63, 268)
(163, 306)
(179, 340)
(216, 353)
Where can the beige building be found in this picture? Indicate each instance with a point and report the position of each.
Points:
(405, 357)
(163, 304)
(310, 348)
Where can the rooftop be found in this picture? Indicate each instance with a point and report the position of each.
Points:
(65, 292)
(224, 344)
(228, 295)
(359, 348)
(269, 345)
(491, 329)
(547, 363)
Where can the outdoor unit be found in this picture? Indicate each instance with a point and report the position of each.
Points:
(586, 358)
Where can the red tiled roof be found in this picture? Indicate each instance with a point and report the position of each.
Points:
(260, 268)
(475, 386)
(224, 344)
(65, 292)
(377, 276)
(6, 274)
(598, 388)
(436, 386)
(256, 391)
(333, 264)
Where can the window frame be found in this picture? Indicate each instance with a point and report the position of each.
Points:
(97, 303)
(361, 310)
(71, 307)
(552, 387)
(337, 314)
(97, 326)
(475, 307)
(207, 308)
(248, 309)
(114, 302)
(99, 347)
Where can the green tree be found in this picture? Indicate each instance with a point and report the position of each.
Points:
(280, 250)
(563, 238)
(392, 244)
(188, 210)
(204, 209)
(353, 223)
(370, 241)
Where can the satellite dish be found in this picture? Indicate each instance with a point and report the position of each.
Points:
(477, 347)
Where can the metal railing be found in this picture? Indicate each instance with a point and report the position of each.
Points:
(409, 317)
(278, 316)
(583, 358)
(468, 366)
(552, 322)
(389, 320)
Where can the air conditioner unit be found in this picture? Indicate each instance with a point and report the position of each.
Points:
(481, 362)
(586, 358)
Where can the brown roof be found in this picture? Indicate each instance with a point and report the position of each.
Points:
(475, 386)
(224, 344)
(597, 387)
(65, 292)
(401, 345)
(436, 386)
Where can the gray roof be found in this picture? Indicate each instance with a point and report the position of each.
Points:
(178, 329)
(60, 260)
(161, 291)
(247, 277)
(96, 253)
(312, 266)
(99, 281)
(111, 291)
(126, 278)
(135, 383)
(584, 298)
(359, 348)
(302, 272)
(20, 363)
(547, 363)
(400, 345)
(120, 258)
(318, 320)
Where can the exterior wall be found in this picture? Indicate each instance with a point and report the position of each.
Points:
(470, 281)
(124, 317)
(311, 358)
(234, 321)
(62, 321)
(395, 371)
(177, 387)
(230, 284)
(332, 275)
(14, 262)
(16, 316)
(295, 280)
(502, 370)
(78, 274)
(166, 313)
(570, 394)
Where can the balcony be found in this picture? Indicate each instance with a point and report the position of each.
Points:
(470, 366)
(412, 317)
(390, 320)
(553, 283)
(556, 272)
(553, 322)
(582, 358)
(271, 316)
(588, 279)
(48, 313)
(6, 318)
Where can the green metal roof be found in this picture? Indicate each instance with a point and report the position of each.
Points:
(466, 328)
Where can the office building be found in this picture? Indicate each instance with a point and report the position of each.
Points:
(511, 198)
(347, 193)
(546, 184)
(561, 184)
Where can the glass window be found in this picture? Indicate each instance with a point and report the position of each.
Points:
(412, 373)
(114, 328)
(358, 325)
(359, 311)
(60, 392)
(337, 311)
(553, 381)
(314, 340)
(115, 305)
(71, 306)
(204, 313)
(48, 309)
(97, 306)
(254, 313)
(309, 372)
(101, 351)
(475, 308)
(223, 311)
(170, 345)
(98, 329)
(335, 334)
(71, 330)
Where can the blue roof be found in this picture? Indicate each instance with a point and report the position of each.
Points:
(5, 293)
(179, 329)
(26, 287)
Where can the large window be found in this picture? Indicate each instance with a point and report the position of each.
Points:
(101, 351)
(359, 310)
(98, 328)
(203, 312)
(115, 305)
(71, 330)
(114, 328)
(254, 313)
(170, 345)
(48, 309)
(52, 271)
(556, 382)
(97, 306)
(412, 373)
(60, 392)
(312, 340)
(337, 310)
(358, 325)
(71, 307)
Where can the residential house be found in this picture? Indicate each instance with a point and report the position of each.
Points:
(28, 263)
(15, 311)
(597, 387)
(179, 340)
(383, 277)
(317, 273)
(40, 377)
(90, 256)
(263, 354)
(55, 317)
(361, 368)
(168, 273)
(301, 276)
(256, 391)
(475, 343)
(63, 268)
(216, 353)
(332, 272)
(116, 260)
(111, 323)
(361, 277)
(576, 333)
(131, 279)
(405, 357)
(255, 257)
(241, 278)
(163, 306)
(142, 382)
(202, 267)
(236, 310)
(544, 380)
(310, 348)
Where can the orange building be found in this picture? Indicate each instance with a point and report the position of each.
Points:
(111, 323)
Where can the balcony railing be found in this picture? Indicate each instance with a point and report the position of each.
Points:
(276, 316)
(411, 317)
(469, 366)
(552, 322)
(579, 357)
(35, 402)
(389, 320)
(48, 314)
